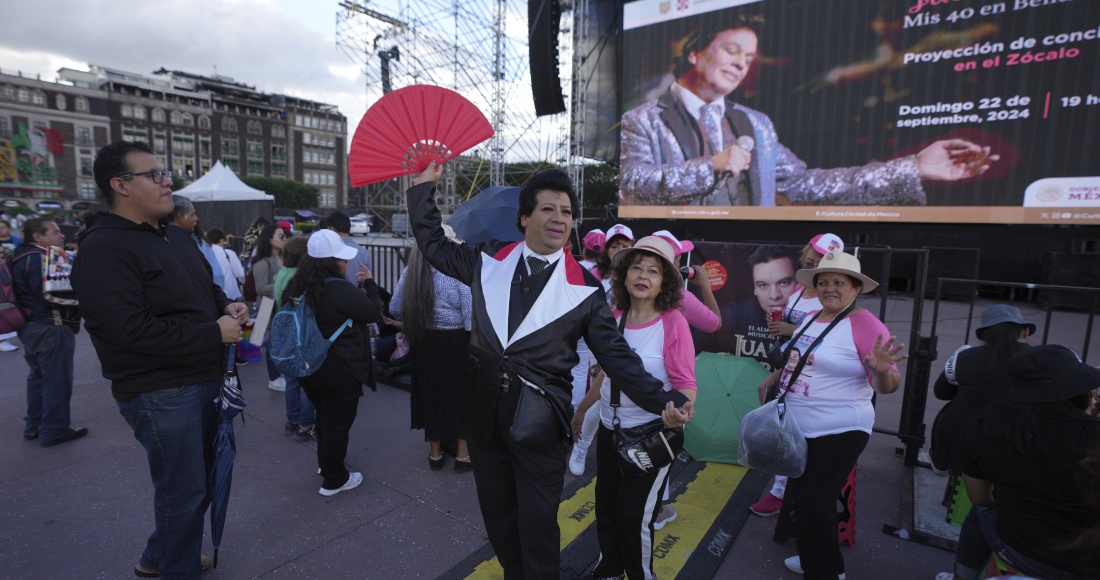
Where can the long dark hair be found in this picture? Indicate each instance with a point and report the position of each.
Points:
(1004, 340)
(418, 299)
(1016, 427)
(309, 279)
(263, 244)
(668, 297)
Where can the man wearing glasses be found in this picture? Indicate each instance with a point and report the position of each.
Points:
(158, 323)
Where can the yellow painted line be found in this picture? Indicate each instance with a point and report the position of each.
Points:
(574, 516)
(696, 509)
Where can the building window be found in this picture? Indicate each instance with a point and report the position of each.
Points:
(255, 167)
(9, 93)
(87, 191)
(83, 136)
(134, 134)
(160, 143)
(174, 118)
(139, 112)
(81, 105)
(278, 151)
(86, 167)
(158, 115)
(61, 101)
(182, 143)
(23, 95)
(229, 124)
(204, 122)
(39, 98)
(255, 149)
(187, 120)
(232, 163)
(230, 146)
(298, 121)
(205, 165)
(255, 128)
(126, 111)
(5, 127)
(278, 131)
(204, 148)
(278, 168)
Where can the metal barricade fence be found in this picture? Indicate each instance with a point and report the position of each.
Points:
(387, 263)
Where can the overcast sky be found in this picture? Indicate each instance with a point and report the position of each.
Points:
(278, 46)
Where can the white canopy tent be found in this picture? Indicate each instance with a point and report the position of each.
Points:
(221, 184)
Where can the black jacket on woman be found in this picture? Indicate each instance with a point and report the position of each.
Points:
(340, 301)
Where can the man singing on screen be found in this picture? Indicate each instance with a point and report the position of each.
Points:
(694, 145)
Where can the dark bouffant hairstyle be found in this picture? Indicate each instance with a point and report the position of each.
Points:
(110, 162)
(668, 297)
(701, 37)
(549, 179)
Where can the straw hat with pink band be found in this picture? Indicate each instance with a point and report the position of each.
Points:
(681, 247)
(595, 240)
(651, 245)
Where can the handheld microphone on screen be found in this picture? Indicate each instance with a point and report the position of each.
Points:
(745, 142)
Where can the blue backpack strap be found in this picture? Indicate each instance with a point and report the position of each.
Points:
(347, 323)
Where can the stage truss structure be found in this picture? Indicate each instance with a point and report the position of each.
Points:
(477, 48)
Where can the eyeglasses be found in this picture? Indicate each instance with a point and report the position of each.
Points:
(809, 265)
(158, 177)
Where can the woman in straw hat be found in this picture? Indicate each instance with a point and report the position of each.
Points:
(646, 290)
(832, 403)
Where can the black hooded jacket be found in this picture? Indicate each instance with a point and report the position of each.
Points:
(150, 305)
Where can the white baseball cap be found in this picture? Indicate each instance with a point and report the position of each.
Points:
(620, 230)
(327, 244)
(681, 247)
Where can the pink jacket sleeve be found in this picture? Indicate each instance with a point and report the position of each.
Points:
(866, 328)
(697, 313)
(679, 351)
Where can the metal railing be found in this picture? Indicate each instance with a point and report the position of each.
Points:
(386, 264)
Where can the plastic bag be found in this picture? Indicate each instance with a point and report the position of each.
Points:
(770, 440)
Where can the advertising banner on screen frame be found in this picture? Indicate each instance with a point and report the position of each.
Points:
(949, 111)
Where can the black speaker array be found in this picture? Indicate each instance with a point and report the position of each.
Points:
(543, 17)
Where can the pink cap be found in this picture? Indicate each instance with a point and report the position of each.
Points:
(825, 243)
(595, 240)
(620, 230)
(680, 247)
(285, 226)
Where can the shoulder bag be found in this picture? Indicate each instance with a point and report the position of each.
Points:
(769, 438)
(647, 448)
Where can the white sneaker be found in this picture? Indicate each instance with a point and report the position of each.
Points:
(794, 564)
(353, 482)
(278, 384)
(945, 576)
(668, 514)
(6, 346)
(576, 459)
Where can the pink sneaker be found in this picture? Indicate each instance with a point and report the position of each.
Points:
(769, 506)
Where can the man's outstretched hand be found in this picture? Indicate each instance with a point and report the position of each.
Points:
(953, 159)
(433, 174)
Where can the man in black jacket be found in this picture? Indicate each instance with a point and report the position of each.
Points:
(531, 303)
(158, 323)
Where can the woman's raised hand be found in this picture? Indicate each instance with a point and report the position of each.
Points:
(884, 355)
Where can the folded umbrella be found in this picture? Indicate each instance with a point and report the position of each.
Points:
(230, 402)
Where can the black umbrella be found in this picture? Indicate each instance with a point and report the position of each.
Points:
(489, 215)
(230, 402)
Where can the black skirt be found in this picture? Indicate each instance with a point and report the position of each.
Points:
(438, 372)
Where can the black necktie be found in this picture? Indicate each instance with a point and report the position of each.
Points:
(536, 264)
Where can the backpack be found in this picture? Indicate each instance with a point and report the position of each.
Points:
(13, 317)
(298, 348)
(249, 289)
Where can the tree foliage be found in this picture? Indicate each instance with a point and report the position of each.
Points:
(289, 194)
(601, 185)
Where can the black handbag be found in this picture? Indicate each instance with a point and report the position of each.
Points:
(644, 449)
(540, 422)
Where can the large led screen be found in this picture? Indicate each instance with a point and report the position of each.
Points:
(964, 111)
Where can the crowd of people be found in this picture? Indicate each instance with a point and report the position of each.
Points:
(521, 358)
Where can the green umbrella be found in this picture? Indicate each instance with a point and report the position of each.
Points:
(727, 391)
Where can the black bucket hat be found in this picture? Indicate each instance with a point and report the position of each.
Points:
(1048, 373)
(999, 313)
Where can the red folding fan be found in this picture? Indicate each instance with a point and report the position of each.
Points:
(411, 127)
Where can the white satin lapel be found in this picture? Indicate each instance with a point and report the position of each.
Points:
(496, 289)
(557, 298)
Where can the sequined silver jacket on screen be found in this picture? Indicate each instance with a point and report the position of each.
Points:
(663, 163)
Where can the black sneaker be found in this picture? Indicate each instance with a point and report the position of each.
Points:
(290, 428)
(67, 435)
(30, 435)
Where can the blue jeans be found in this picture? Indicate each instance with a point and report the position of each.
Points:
(299, 409)
(1024, 565)
(48, 350)
(176, 426)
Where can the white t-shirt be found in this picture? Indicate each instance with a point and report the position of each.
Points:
(798, 308)
(833, 392)
(667, 352)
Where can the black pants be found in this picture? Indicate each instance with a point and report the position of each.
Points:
(625, 510)
(335, 416)
(519, 490)
(813, 496)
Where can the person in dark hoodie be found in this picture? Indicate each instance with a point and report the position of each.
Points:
(159, 324)
(49, 340)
